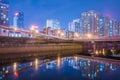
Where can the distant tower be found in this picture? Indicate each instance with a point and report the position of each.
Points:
(74, 25)
(53, 24)
(4, 13)
(18, 20)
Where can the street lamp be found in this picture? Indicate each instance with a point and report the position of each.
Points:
(15, 29)
(76, 35)
(58, 33)
(36, 31)
(89, 35)
(62, 34)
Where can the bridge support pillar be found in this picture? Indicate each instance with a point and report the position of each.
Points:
(94, 46)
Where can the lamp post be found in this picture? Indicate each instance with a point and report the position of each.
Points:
(61, 34)
(58, 33)
(76, 35)
(15, 29)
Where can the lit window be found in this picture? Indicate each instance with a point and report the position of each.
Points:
(95, 15)
(88, 14)
(101, 20)
(4, 16)
(7, 19)
(2, 7)
(4, 22)
(1, 13)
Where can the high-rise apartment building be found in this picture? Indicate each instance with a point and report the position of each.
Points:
(74, 25)
(90, 23)
(53, 24)
(18, 20)
(4, 14)
(108, 27)
(119, 28)
(93, 23)
(104, 25)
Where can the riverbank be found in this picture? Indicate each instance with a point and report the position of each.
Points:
(26, 57)
(100, 59)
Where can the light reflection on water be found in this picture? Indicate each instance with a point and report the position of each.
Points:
(67, 68)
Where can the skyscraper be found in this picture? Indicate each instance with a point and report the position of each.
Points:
(90, 22)
(74, 25)
(4, 14)
(18, 20)
(104, 25)
(108, 27)
(53, 24)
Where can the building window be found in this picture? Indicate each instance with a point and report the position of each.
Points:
(4, 31)
(2, 7)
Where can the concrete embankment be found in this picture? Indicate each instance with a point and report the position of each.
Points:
(32, 51)
(39, 48)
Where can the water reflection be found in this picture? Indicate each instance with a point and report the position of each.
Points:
(89, 69)
(58, 61)
(36, 63)
(14, 67)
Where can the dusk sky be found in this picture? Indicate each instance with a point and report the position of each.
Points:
(37, 11)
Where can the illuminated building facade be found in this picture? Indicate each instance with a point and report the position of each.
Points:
(4, 14)
(90, 23)
(108, 27)
(53, 24)
(19, 20)
(74, 25)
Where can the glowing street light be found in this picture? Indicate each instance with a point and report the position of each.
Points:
(58, 31)
(62, 34)
(89, 35)
(36, 31)
(76, 35)
(15, 28)
(32, 28)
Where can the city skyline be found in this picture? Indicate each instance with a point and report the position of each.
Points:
(65, 11)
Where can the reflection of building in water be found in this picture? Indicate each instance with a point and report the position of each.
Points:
(91, 69)
(51, 65)
(3, 72)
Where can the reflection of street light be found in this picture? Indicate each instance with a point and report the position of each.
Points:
(15, 66)
(58, 61)
(36, 63)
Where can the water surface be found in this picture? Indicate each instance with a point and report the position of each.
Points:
(67, 68)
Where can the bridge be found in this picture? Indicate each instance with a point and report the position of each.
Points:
(16, 32)
(31, 42)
